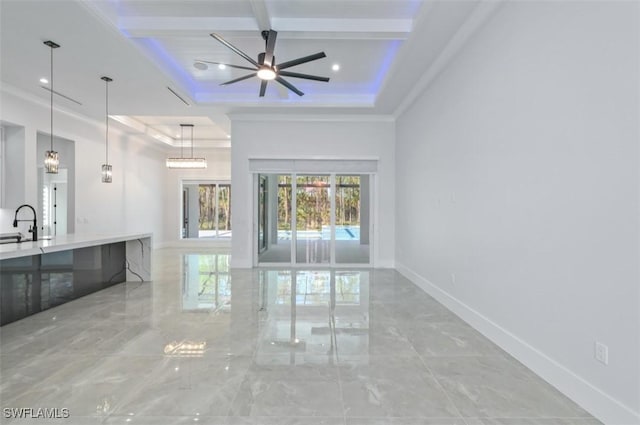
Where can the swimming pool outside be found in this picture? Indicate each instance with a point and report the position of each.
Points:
(343, 233)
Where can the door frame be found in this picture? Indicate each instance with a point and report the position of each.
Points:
(255, 176)
(189, 182)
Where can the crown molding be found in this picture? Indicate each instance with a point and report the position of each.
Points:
(280, 117)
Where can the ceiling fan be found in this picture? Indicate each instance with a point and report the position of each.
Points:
(265, 67)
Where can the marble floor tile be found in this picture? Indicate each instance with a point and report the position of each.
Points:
(31, 337)
(245, 347)
(280, 420)
(90, 385)
(22, 373)
(283, 367)
(538, 421)
(272, 396)
(443, 339)
(499, 387)
(384, 386)
(406, 421)
(376, 339)
(154, 400)
(165, 420)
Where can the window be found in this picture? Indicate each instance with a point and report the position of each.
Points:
(206, 210)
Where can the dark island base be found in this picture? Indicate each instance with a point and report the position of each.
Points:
(32, 284)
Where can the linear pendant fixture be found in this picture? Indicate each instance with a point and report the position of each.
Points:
(183, 162)
(106, 167)
(51, 158)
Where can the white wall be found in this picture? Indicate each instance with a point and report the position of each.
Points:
(12, 146)
(132, 203)
(276, 137)
(517, 171)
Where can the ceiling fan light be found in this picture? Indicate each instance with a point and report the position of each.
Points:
(266, 73)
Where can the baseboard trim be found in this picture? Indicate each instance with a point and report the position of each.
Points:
(601, 405)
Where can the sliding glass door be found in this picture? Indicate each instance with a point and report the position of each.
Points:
(313, 218)
(274, 218)
(206, 210)
(352, 219)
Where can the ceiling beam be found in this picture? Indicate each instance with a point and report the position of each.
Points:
(141, 25)
(291, 28)
(344, 25)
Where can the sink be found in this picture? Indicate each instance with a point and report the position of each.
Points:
(12, 235)
(5, 242)
(8, 241)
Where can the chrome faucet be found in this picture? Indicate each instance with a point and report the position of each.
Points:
(34, 228)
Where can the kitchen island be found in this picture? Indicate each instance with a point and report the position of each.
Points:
(36, 276)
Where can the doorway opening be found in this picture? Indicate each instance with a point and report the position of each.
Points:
(319, 218)
(206, 210)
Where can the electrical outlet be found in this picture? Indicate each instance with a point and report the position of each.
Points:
(601, 353)
(453, 278)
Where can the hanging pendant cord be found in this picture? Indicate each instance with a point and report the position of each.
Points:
(51, 98)
(106, 121)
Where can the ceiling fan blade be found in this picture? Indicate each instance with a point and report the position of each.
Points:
(235, 49)
(305, 76)
(289, 86)
(300, 61)
(263, 87)
(226, 64)
(271, 44)
(239, 79)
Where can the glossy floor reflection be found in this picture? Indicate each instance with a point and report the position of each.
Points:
(206, 344)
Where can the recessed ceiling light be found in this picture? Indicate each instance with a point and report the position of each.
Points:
(222, 66)
(228, 136)
(44, 80)
(335, 67)
(201, 66)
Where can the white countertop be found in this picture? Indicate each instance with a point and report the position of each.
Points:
(63, 243)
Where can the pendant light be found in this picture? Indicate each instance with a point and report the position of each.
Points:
(106, 167)
(183, 162)
(51, 159)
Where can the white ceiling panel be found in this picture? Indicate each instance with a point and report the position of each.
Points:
(148, 47)
(340, 9)
(184, 8)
